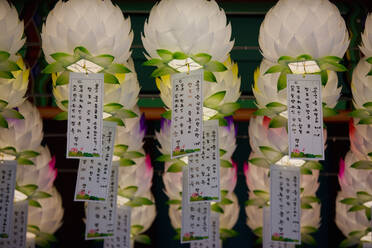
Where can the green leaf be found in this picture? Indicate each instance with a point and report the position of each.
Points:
(34, 203)
(139, 201)
(308, 229)
(258, 231)
(24, 161)
(165, 54)
(175, 167)
(12, 113)
(125, 113)
(332, 66)
(126, 162)
(224, 192)
(304, 57)
(333, 59)
(154, 62)
(270, 153)
(167, 115)
(217, 208)
(29, 154)
(28, 189)
(366, 121)
(41, 195)
(135, 229)
(275, 69)
(3, 104)
(363, 164)
(110, 79)
(120, 149)
(264, 112)
(117, 68)
(308, 239)
(214, 100)
(262, 194)
(61, 116)
(33, 229)
(4, 56)
(128, 192)
(350, 201)
(228, 233)
(9, 66)
(201, 58)
(222, 152)
(276, 107)
(143, 239)
(53, 68)
(305, 171)
(369, 60)
(282, 80)
(368, 105)
(226, 201)
(133, 154)
(329, 111)
(285, 59)
(9, 150)
(356, 208)
(3, 122)
(260, 162)
(63, 78)
(278, 122)
(162, 71)
(306, 206)
(174, 202)
(359, 113)
(229, 108)
(179, 55)
(164, 158)
(64, 59)
(313, 165)
(310, 199)
(209, 77)
(214, 66)
(82, 52)
(111, 107)
(118, 121)
(258, 202)
(103, 60)
(349, 242)
(324, 77)
(225, 164)
(6, 75)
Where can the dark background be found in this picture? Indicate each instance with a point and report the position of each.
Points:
(245, 17)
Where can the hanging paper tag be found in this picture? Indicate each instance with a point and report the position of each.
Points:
(101, 217)
(204, 168)
(266, 235)
(84, 133)
(187, 113)
(285, 204)
(8, 171)
(214, 234)
(121, 238)
(17, 237)
(94, 175)
(367, 245)
(305, 117)
(195, 216)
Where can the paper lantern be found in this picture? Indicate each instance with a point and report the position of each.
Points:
(292, 28)
(366, 46)
(265, 88)
(91, 36)
(42, 173)
(47, 219)
(13, 72)
(226, 89)
(97, 25)
(22, 135)
(351, 222)
(181, 36)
